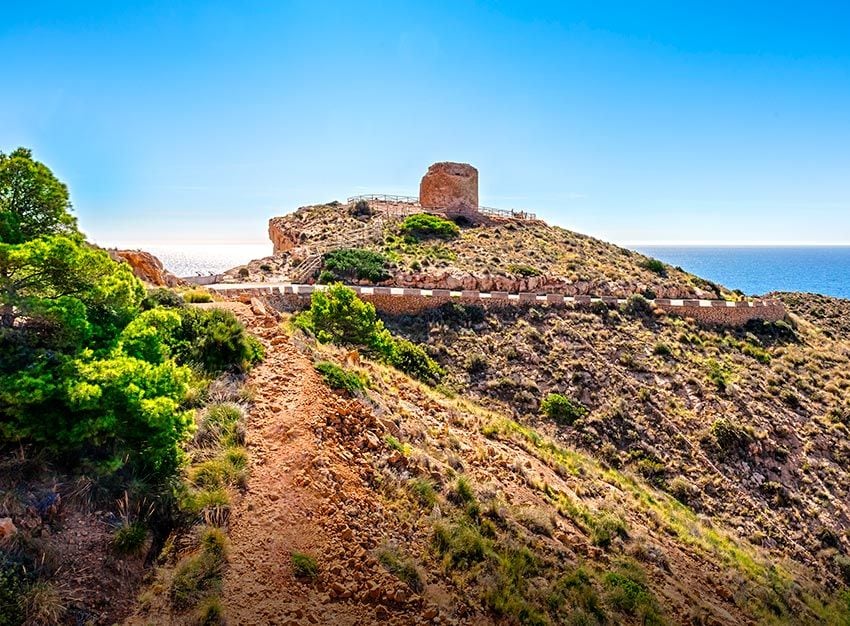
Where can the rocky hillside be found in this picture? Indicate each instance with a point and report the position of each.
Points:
(699, 477)
(499, 254)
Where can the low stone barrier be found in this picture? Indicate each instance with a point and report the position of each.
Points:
(409, 301)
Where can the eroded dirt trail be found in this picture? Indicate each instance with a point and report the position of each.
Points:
(303, 495)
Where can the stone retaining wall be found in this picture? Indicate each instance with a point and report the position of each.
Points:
(407, 301)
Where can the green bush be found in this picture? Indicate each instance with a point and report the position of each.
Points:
(84, 374)
(461, 545)
(163, 297)
(424, 491)
(326, 278)
(730, 435)
(759, 354)
(523, 270)
(352, 263)
(661, 349)
(628, 593)
(655, 266)
(129, 539)
(562, 409)
(718, 374)
(425, 226)
(199, 574)
(304, 565)
(336, 315)
(338, 378)
(637, 306)
(409, 358)
(197, 295)
(401, 566)
(14, 579)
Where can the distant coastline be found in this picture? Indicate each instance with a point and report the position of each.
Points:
(757, 270)
(205, 258)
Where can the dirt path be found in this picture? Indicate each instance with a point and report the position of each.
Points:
(304, 494)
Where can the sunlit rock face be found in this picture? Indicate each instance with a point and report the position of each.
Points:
(451, 187)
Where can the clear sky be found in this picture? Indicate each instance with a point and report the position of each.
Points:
(636, 122)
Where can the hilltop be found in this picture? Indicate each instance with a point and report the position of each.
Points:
(503, 254)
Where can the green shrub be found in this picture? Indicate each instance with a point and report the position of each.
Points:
(409, 358)
(759, 354)
(562, 409)
(221, 425)
(507, 591)
(401, 566)
(604, 527)
(523, 270)
(199, 500)
(461, 545)
(338, 378)
(425, 226)
(338, 316)
(637, 306)
(213, 339)
(200, 573)
(197, 295)
(424, 491)
(210, 612)
(129, 539)
(14, 579)
(718, 374)
(243, 272)
(729, 435)
(463, 491)
(227, 469)
(304, 565)
(326, 278)
(352, 263)
(163, 297)
(655, 266)
(574, 594)
(628, 593)
(661, 349)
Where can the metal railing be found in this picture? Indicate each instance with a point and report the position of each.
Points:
(395, 200)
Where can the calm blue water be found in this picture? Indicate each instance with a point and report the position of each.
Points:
(757, 270)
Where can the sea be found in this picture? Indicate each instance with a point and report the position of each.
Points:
(208, 258)
(755, 270)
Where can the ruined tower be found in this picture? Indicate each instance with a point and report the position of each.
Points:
(451, 188)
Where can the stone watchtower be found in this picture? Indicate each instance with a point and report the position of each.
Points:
(451, 188)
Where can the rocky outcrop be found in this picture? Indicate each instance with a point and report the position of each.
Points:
(282, 235)
(147, 267)
(452, 187)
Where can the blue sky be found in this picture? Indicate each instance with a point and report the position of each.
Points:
(664, 122)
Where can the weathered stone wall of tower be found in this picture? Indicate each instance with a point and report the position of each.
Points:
(450, 187)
